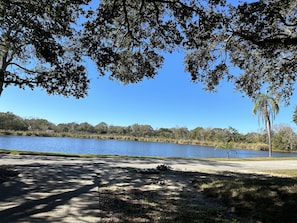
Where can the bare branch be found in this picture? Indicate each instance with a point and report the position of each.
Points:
(26, 69)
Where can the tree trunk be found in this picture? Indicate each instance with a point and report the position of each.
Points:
(1, 80)
(2, 70)
(268, 128)
(4, 46)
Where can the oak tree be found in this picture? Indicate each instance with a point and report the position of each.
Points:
(127, 40)
(41, 43)
(39, 46)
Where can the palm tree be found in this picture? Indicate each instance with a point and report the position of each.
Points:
(266, 106)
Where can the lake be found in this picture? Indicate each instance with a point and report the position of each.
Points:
(123, 147)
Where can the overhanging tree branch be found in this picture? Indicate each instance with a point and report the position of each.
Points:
(26, 69)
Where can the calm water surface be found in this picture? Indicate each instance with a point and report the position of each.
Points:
(122, 147)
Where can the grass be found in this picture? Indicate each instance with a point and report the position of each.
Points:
(23, 152)
(37, 153)
(288, 173)
(199, 197)
(253, 159)
(256, 198)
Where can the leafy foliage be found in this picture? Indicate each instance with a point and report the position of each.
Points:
(266, 106)
(42, 43)
(284, 138)
(163, 167)
(39, 48)
(9, 121)
(127, 38)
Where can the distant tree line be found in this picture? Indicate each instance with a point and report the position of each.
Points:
(284, 138)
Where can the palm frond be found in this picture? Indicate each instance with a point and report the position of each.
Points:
(265, 105)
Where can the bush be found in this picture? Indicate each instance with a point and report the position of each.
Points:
(163, 167)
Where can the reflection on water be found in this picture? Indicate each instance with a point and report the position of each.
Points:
(122, 147)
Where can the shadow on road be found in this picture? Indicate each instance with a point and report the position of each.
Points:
(50, 193)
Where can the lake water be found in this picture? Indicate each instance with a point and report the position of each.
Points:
(122, 147)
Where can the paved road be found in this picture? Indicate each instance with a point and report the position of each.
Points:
(59, 189)
(178, 164)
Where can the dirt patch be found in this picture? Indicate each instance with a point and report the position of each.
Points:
(130, 195)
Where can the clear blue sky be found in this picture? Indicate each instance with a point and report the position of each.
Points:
(169, 100)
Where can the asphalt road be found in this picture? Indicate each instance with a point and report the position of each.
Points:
(177, 164)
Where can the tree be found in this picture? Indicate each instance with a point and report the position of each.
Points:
(39, 124)
(198, 134)
(117, 130)
(85, 127)
(101, 128)
(165, 133)
(285, 138)
(68, 127)
(127, 39)
(63, 127)
(39, 46)
(146, 130)
(233, 134)
(43, 43)
(9, 121)
(266, 107)
(181, 133)
(255, 137)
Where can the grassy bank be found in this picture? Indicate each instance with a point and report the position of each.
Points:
(34, 153)
(23, 152)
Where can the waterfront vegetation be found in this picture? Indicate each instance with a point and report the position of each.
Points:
(283, 137)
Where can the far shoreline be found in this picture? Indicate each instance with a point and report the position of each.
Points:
(213, 144)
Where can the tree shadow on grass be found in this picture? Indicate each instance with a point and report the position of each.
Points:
(257, 198)
(129, 195)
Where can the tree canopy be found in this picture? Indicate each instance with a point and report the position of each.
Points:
(41, 45)
(128, 38)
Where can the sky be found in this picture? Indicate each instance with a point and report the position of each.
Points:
(167, 101)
